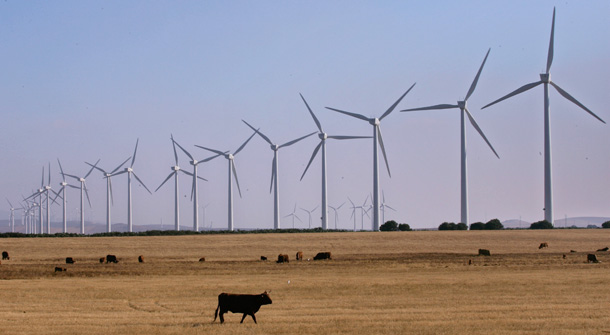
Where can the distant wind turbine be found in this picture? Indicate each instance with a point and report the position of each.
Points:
(294, 215)
(232, 174)
(384, 206)
(545, 78)
(353, 207)
(38, 194)
(323, 136)
(12, 217)
(463, 113)
(336, 209)
(83, 192)
(274, 172)
(309, 213)
(109, 199)
(377, 138)
(63, 185)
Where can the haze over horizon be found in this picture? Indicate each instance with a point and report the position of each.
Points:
(84, 80)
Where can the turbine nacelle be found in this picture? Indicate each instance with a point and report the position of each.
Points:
(462, 104)
(82, 180)
(175, 168)
(194, 162)
(128, 170)
(275, 147)
(63, 183)
(230, 157)
(545, 78)
(47, 188)
(374, 121)
(323, 136)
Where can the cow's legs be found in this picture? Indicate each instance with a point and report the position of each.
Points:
(242, 318)
(221, 315)
(253, 318)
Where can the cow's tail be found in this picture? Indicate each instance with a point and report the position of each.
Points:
(216, 313)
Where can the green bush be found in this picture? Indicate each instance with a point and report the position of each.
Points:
(404, 227)
(541, 225)
(389, 226)
(477, 226)
(606, 224)
(494, 224)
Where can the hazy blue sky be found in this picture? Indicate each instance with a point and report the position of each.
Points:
(82, 80)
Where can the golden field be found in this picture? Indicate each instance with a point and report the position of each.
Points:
(377, 283)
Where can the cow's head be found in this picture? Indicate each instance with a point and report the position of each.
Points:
(265, 300)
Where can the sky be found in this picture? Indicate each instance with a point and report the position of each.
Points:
(83, 80)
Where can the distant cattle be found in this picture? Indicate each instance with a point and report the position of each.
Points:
(248, 304)
(322, 255)
(299, 256)
(484, 252)
(564, 256)
(591, 258)
(572, 251)
(263, 258)
(111, 259)
(69, 260)
(283, 258)
(141, 259)
(543, 245)
(59, 269)
(102, 260)
(5, 256)
(603, 249)
(202, 259)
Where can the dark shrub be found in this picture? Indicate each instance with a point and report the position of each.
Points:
(404, 227)
(494, 224)
(606, 224)
(541, 225)
(389, 226)
(477, 226)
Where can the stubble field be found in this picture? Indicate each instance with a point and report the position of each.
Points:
(377, 283)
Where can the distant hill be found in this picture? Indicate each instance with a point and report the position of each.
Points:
(580, 222)
(90, 228)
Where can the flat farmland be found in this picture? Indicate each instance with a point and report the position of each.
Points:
(377, 283)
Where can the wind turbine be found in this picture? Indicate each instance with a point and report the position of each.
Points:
(274, 172)
(384, 206)
(323, 136)
(353, 212)
(12, 217)
(38, 193)
(194, 191)
(377, 138)
(130, 172)
(463, 113)
(335, 209)
(109, 199)
(294, 215)
(309, 213)
(83, 192)
(232, 173)
(545, 78)
(63, 185)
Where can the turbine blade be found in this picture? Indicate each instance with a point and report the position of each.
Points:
(386, 206)
(138, 179)
(193, 187)
(133, 160)
(116, 174)
(95, 167)
(76, 187)
(42, 181)
(235, 175)
(343, 137)
(201, 178)
(171, 136)
(313, 155)
(118, 167)
(210, 158)
(166, 179)
(315, 119)
(476, 126)
(571, 98)
(396, 103)
(49, 173)
(9, 203)
(186, 172)
(72, 176)
(273, 172)
(295, 141)
(515, 92)
(184, 150)
(86, 193)
(61, 169)
(441, 106)
(549, 59)
(385, 158)
(111, 196)
(341, 205)
(358, 116)
(258, 132)
(476, 79)
(208, 149)
(57, 194)
(244, 144)
(91, 170)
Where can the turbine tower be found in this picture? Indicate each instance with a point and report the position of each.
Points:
(194, 191)
(83, 192)
(377, 138)
(323, 136)
(130, 172)
(109, 199)
(232, 173)
(274, 172)
(463, 113)
(545, 78)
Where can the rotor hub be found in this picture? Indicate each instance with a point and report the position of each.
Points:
(322, 136)
(462, 104)
(374, 121)
(545, 78)
(230, 156)
(175, 168)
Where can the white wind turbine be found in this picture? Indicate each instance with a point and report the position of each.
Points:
(384, 206)
(83, 192)
(109, 199)
(12, 217)
(130, 172)
(353, 207)
(377, 138)
(194, 190)
(63, 185)
(336, 209)
(274, 172)
(545, 78)
(309, 213)
(294, 215)
(463, 113)
(38, 194)
(232, 173)
(323, 136)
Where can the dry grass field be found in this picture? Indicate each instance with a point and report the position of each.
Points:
(377, 283)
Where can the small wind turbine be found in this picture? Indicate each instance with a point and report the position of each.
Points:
(63, 185)
(309, 213)
(109, 199)
(294, 215)
(38, 193)
(377, 138)
(384, 206)
(336, 209)
(463, 112)
(130, 172)
(12, 217)
(232, 173)
(323, 136)
(274, 172)
(353, 207)
(545, 78)
(83, 192)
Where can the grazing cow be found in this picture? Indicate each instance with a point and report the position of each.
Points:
(299, 255)
(102, 260)
(283, 258)
(202, 259)
(263, 258)
(248, 304)
(5, 256)
(603, 249)
(591, 258)
(111, 259)
(484, 252)
(141, 259)
(564, 256)
(572, 251)
(69, 260)
(543, 245)
(322, 255)
(59, 269)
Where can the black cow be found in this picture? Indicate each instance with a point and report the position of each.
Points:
(603, 249)
(69, 260)
(484, 252)
(322, 255)
(283, 258)
(263, 258)
(592, 258)
(248, 304)
(59, 269)
(111, 259)
(5, 256)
